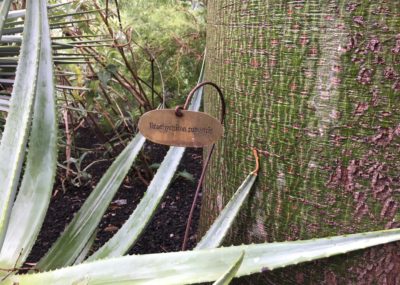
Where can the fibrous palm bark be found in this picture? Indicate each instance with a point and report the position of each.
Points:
(314, 85)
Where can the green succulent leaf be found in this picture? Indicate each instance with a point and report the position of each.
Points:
(230, 274)
(13, 142)
(21, 13)
(188, 267)
(11, 39)
(85, 251)
(37, 183)
(215, 235)
(70, 244)
(10, 31)
(4, 8)
(186, 175)
(16, 14)
(122, 241)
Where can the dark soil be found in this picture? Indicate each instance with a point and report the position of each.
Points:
(165, 232)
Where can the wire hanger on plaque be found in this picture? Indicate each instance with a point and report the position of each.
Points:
(180, 127)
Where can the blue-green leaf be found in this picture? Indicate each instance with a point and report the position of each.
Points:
(37, 183)
(13, 142)
(72, 241)
(215, 235)
(190, 267)
(230, 274)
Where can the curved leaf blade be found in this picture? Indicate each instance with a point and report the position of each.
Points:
(190, 267)
(230, 274)
(4, 8)
(215, 235)
(74, 238)
(36, 187)
(122, 241)
(11, 39)
(21, 13)
(85, 251)
(16, 14)
(13, 142)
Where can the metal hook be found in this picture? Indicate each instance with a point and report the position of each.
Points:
(191, 93)
(178, 111)
(208, 158)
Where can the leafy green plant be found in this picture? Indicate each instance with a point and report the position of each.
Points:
(180, 174)
(173, 34)
(81, 173)
(66, 262)
(185, 175)
(112, 71)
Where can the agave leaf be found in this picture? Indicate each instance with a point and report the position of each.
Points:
(215, 235)
(67, 57)
(15, 30)
(230, 274)
(12, 148)
(10, 49)
(120, 243)
(6, 81)
(196, 101)
(8, 60)
(11, 66)
(11, 39)
(82, 281)
(4, 101)
(74, 238)
(52, 6)
(188, 267)
(56, 16)
(67, 87)
(90, 42)
(4, 8)
(9, 24)
(82, 256)
(62, 45)
(21, 13)
(69, 62)
(57, 25)
(16, 14)
(11, 31)
(76, 13)
(6, 73)
(37, 183)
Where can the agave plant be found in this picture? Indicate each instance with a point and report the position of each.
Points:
(32, 114)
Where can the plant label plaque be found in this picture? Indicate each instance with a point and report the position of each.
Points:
(191, 129)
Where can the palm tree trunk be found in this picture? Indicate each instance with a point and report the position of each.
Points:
(314, 85)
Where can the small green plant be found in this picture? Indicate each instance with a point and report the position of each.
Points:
(67, 261)
(172, 33)
(81, 174)
(185, 175)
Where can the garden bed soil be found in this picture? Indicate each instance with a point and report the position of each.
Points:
(165, 232)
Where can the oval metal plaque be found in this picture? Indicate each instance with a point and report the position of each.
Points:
(192, 129)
